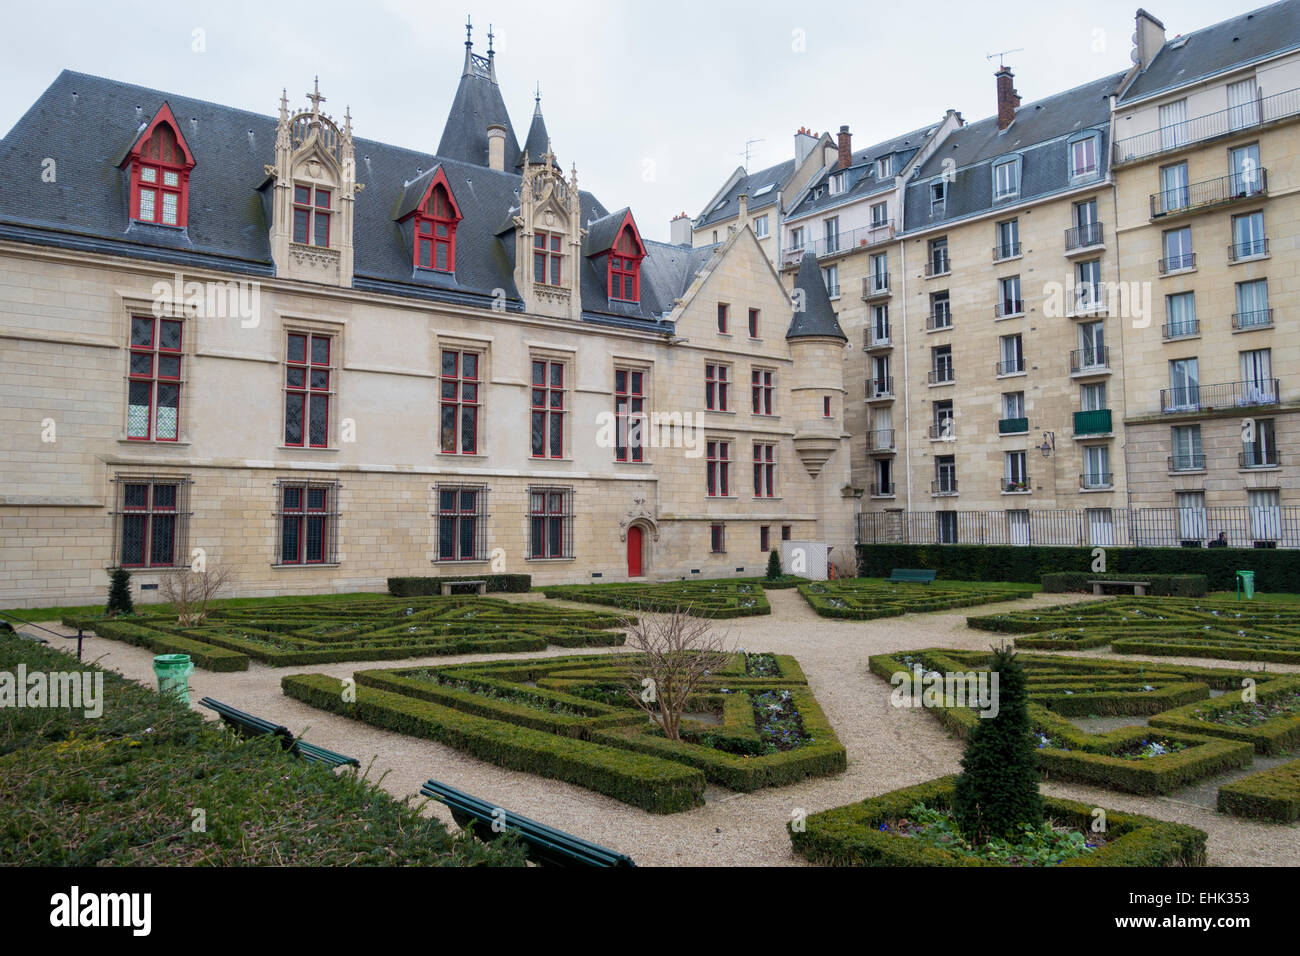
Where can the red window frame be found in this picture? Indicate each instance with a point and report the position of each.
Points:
(460, 402)
(312, 210)
(154, 374)
(548, 516)
(761, 381)
(764, 538)
(629, 412)
(148, 515)
(785, 532)
(718, 468)
(547, 409)
(717, 384)
(753, 323)
(723, 316)
(826, 406)
(307, 377)
(436, 220)
(625, 265)
(308, 520)
(764, 470)
(547, 251)
(718, 538)
(160, 166)
(463, 516)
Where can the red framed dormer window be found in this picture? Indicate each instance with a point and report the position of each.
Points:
(312, 208)
(436, 220)
(160, 173)
(547, 256)
(625, 263)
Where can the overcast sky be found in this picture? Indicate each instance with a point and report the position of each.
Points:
(653, 100)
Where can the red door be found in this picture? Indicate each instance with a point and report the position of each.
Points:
(634, 552)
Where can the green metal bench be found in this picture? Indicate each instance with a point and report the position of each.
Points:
(250, 726)
(546, 846)
(912, 576)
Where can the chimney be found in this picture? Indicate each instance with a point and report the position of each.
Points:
(830, 156)
(679, 230)
(1148, 38)
(846, 148)
(742, 216)
(804, 141)
(1008, 98)
(496, 146)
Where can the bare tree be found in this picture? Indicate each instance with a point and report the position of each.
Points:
(843, 565)
(188, 592)
(675, 653)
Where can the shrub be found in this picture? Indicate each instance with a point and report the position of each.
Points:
(1272, 795)
(432, 586)
(773, 566)
(996, 794)
(119, 593)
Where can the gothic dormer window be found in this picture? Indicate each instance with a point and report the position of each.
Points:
(435, 227)
(160, 173)
(312, 208)
(625, 264)
(548, 257)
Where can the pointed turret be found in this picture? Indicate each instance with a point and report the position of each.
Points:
(478, 105)
(813, 315)
(538, 141)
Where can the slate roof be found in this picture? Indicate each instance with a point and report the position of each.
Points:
(86, 122)
(476, 106)
(817, 318)
(862, 179)
(1215, 49)
(726, 207)
(1040, 134)
(538, 139)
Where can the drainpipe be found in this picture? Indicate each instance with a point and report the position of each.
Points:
(907, 383)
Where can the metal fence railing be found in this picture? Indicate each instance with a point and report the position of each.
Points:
(1272, 526)
(1265, 109)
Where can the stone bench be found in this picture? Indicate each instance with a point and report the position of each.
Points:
(480, 587)
(1139, 587)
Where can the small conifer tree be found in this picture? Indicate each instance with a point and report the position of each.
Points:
(996, 794)
(773, 566)
(119, 593)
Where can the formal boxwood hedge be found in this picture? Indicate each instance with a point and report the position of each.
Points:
(1274, 735)
(1165, 585)
(862, 600)
(432, 586)
(379, 629)
(1272, 795)
(851, 835)
(1275, 569)
(1060, 686)
(714, 598)
(582, 702)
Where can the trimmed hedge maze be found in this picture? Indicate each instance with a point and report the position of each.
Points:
(1147, 760)
(857, 834)
(754, 723)
(1166, 627)
(717, 598)
(1270, 795)
(383, 629)
(862, 600)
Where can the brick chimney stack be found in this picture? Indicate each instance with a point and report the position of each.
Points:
(846, 149)
(1008, 98)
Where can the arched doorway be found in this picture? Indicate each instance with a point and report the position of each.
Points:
(634, 552)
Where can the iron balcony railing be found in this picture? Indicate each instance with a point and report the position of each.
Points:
(1259, 319)
(1249, 249)
(938, 265)
(1179, 263)
(944, 485)
(1181, 330)
(1187, 461)
(1257, 456)
(1009, 307)
(878, 340)
(1013, 366)
(1096, 479)
(883, 489)
(1092, 359)
(1084, 236)
(1095, 421)
(881, 439)
(1012, 426)
(943, 375)
(1007, 250)
(1264, 109)
(943, 430)
(841, 242)
(936, 321)
(1193, 398)
(875, 285)
(1015, 486)
(1089, 299)
(880, 387)
(1211, 192)
(1262, 526)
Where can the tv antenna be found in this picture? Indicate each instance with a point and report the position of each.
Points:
(748, 152)
(1003, 54)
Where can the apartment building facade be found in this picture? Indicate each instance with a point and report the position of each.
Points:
(265, 343)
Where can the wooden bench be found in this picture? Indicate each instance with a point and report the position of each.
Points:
(479, 586)
(250, 726)
(912, 576)
(546, 846)
(1139, 587)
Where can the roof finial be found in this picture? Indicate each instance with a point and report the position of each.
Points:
(284, 102)
(469, 31)
(316, 98)
(490, 51)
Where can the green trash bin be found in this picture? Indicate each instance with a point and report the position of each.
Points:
(174, 672)
(1245, 584)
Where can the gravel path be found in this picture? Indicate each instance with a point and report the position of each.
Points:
(887, 747)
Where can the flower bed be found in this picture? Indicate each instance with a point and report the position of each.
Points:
(1271, 723)
(1272, 795)
(718, 598)
(861, 599)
